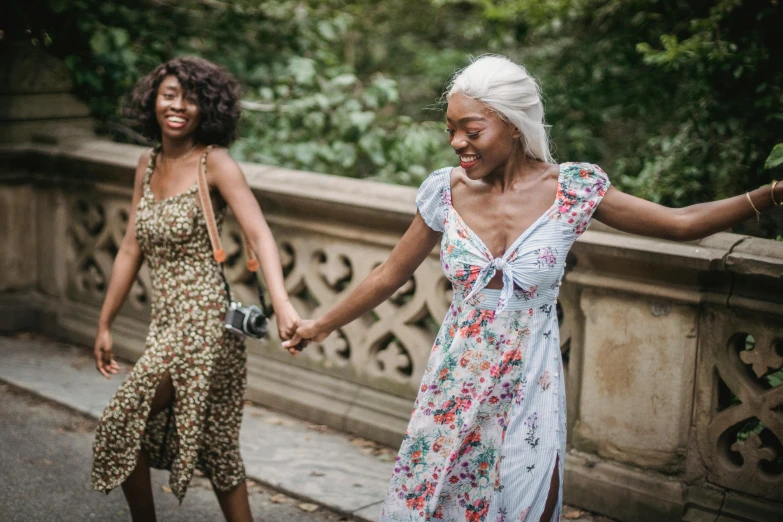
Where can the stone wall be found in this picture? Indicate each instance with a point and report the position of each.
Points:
(671, 350)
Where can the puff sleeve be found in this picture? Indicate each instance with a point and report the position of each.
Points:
(433, 198)
(582, 187)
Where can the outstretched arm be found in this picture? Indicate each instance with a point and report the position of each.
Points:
(383, 281)
(638, 216)
(224, 173)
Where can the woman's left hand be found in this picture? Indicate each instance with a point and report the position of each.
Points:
(287, 320)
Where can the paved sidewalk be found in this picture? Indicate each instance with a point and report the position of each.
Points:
(346, 474)
(46, 459)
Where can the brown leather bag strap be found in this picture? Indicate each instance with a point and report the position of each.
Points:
(206, 207)
(209, 215)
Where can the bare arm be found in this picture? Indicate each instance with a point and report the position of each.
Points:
(638, 216)
(224, 173)
(124, 270)
(379, 285)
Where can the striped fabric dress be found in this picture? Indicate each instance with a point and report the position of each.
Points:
(488, 427)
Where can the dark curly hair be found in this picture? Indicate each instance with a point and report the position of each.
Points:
(213, 90)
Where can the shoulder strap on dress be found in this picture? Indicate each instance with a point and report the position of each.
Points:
(151, 165)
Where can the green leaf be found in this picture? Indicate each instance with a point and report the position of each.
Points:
(343, 80)
(362, 120)
(775, 379)
(99, 43)
(775, 158)
(119, 36)
(58, 6)
(303, 70)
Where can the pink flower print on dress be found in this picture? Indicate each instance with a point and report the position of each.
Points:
(445, 196)
(523, 515)
(547, 257)
(529, 293)
(545, 381)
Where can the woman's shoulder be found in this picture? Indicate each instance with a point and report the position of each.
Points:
(443, 173)
(437, 180)
(433, 196)
(145, 161)
(144, 157)
(220, 159)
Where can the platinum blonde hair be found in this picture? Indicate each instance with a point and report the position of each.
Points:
(508, 90)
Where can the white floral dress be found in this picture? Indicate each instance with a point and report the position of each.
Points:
(488, 426)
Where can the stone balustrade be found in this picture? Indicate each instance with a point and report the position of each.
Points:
(673, 350)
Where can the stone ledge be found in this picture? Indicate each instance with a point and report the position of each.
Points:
(333, 198)
(26, 107)
(324, 399)
(756, 256)
(621, 492)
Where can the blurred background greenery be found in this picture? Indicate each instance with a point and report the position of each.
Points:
(680, 101)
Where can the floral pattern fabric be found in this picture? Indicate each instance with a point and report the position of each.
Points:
(488, 426)
(187, 340)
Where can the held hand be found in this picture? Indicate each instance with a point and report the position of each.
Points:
(104, 361)
(307, 331)
(287, 320)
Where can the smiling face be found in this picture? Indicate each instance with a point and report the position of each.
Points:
(177, 115)
(484, 142)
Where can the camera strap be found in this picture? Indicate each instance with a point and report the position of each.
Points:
(214, 236)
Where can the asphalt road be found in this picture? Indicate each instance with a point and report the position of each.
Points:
(45, 459)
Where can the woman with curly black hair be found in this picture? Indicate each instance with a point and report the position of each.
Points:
(181, 406)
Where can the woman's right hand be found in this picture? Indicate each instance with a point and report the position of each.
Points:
(308, 331)
(104, 361)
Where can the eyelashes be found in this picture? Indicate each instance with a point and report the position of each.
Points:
(471, 135)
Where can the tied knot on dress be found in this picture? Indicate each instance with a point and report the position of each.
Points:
(499, 264)
(489, 270)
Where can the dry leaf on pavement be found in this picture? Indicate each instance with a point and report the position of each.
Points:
(304, 506)
(165, 488)
(320, 428)
(278, 499)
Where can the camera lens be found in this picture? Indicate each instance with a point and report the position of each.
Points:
(256, 324)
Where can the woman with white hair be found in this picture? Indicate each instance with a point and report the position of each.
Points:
(486, 439)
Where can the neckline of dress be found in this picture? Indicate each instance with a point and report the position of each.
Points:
(513, 246)
(148, 187)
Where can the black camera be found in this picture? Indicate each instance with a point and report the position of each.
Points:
(246, 320)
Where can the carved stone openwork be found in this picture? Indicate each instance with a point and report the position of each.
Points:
(740, 402)
(96, 225)
(386, 349)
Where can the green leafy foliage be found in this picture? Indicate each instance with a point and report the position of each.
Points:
(775, 157)
(679, 100)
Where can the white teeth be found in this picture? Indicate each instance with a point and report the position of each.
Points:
(468, 159)
(176, 119)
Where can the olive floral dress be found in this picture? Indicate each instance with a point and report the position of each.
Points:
(187, 340)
